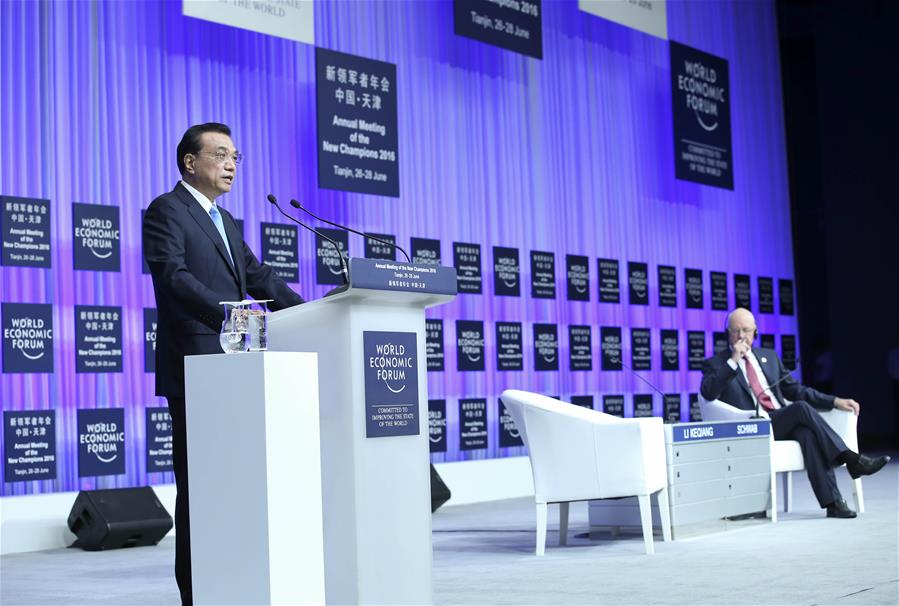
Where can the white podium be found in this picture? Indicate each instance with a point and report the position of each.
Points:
(255, 479)
(375, 487)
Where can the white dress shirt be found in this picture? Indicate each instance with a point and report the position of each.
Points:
(763, 381)
(205, 202)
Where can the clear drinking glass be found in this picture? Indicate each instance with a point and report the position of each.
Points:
(234, 337)
(258, 323)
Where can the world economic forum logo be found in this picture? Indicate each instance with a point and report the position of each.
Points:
(391, 383)
(390, 365)
(101, 442)
(27, 337)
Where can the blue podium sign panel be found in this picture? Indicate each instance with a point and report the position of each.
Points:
(150, 329)
(613, 405)
(695, 411)
(580, 347)
(742, 291)
(391, 384)
(693, 288)
(766, 295)
(101, 442)
(577, 276)
(583, 401)
(425, 251)
(472, 423)
(609, 284)
(98, 338)
(434, 344)
(543, 275)
(788, 351)
(695, 349)
(643, 405)
(437, 425)
(96, 237)
(467, 261)
(506, 272)
(719, 290)
(279, 250)
(27, 337)
(159, 439)
(469, 345)
(25, 229)
(375, 274)
(667, 286)
(357, 124)
(670, 349)
(328, 267)
(546, 347)
(610, 347)
(516, 26)
(785, 294)
(641, 351)
(719, 341)
(671, 403)
(700, 94)
(509, 435)
(638, 283)
(509, 349)
(379, 250)
(29, 445)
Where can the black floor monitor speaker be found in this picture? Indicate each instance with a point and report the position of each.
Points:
(440, 493)
(118, 517)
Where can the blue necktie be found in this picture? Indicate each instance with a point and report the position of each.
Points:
(217, 219)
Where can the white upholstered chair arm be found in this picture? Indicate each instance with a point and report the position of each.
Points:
(716, 410)
(558, 443)
(844, 423)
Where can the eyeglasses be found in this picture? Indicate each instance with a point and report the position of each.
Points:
(741, 331)
(221, 157)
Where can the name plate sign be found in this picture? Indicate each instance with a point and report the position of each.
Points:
(378, 274)
(698, 432)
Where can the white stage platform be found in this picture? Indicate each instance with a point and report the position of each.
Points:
(483, 554)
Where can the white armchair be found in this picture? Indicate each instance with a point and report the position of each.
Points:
(578, 454)
(786, 455)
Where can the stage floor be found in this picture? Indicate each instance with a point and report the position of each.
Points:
(483, 554)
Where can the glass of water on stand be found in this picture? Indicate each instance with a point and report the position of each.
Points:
(234, 337)
(257, 318)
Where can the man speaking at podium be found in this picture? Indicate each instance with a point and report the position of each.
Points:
(197, 257)
(744, 376)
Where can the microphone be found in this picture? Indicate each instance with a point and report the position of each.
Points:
(634, 372)
(299, 206)
(344, 271)
(645, 380)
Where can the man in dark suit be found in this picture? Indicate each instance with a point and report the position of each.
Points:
(743, 375)
(197, 257)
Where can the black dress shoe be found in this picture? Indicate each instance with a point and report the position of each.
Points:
(865, 465)
(839, 509)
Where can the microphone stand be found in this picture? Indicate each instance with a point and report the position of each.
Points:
(344, 270)
(299, 206)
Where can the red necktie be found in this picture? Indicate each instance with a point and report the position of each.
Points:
(756, 385)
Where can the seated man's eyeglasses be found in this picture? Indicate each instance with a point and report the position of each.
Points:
(741, 331)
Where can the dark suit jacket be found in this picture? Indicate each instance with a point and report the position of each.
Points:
(721, 382)
(191, 274)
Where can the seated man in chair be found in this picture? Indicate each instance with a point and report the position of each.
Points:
(743, 375)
